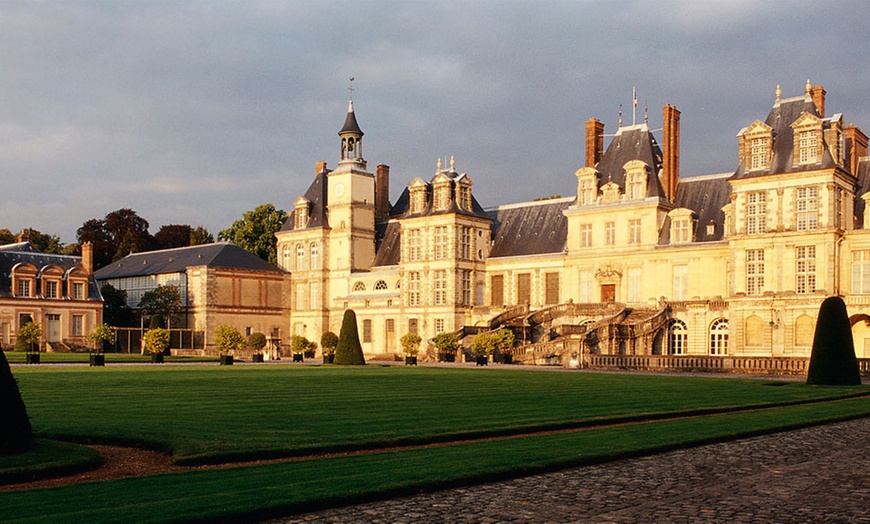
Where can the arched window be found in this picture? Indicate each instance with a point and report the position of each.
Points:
(300, 257)
(380, 285)
(719, 337)
(286, 257)
(359, 286)
(314, 250)
(678, 336)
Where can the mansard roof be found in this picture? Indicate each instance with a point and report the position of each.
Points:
(705, 196)
(402, 207)
(632, 143)
(784, 113)
(217, 255)
(530, 228)
(317, 198)
(863, 187)
(26, 253)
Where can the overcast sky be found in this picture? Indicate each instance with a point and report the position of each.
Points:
(194, 112)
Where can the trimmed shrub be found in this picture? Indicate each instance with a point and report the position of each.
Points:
(349, 352)
(411, 343)
(445, 343)
(328, 341)
(227, 339)
(833, 361)
(156, 341)
(257, 341)
(28, 337)
(16, 435)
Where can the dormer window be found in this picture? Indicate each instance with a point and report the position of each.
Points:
(760, 153)
(635, 180)
(587, 186)
(682, 226)
(756, 146)
(442, 196)
(807, 139)
(809, 147)
(300, 216)
(23, 288)
(463, 193)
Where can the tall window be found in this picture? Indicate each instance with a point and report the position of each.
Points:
(496, 284)
(587, 191)
(634, 284)
(301, 296)
(78, 291)
(464, 247)
(466, 287)
(719, 337)
(414, 288)
(636, 186)
(610, 233)
(634, 231)
(23, 288)
(760, 153)
(552, 288)
(442, 197)
(439, 325)
(301, 217)
(681, 230)
(314, 293)
(678, 336)
(441, 243)
(524, 288)
(807, 208)
(464, 201)
(440, 287)
(418, 200)
(754, 271)
(809, 147)
(51, 289)
(861, 272)
(315, 255)
(78, 325)
(367, 330)
(585, 235)
(805, 269)
(586, 287)
(413, 326)
(756, 212)
(286, 257)
(415, 245)
(300, 257)
(681, 282)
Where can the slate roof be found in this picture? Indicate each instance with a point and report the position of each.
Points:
(25, 252)
(863, 186)
(402, 206)
(531, 228)
(706, 196)
(217, 255)
(350, 124)
(389, 242)
(317, 196)
(632, 143)
(783, 114)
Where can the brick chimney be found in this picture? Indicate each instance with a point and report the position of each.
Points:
(671, 151)
(382, 192)
(319, 167)
(88, 257)
(594, 141)
(818, 93)
(856, 147)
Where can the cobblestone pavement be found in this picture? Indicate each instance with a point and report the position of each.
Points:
(819, 474)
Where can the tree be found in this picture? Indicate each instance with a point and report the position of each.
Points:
(6, 237)
(100, 334)
(200, 235)
(172, 235)
(116, 312)
(228, 338)
(255, 231)
(161, 302)
(349, 352)
(486, 344)
(117, 235)
(257, 341)
(328, 341)
(41, 241)
(300, 344)
(411, 343)
(445, 343)
(16, 434)
(28, 337)
(156, 341)
(832, 361)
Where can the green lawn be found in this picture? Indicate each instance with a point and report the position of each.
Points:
(212, 413)
(16, 357)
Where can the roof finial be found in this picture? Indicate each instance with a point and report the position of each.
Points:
(778, 93)
(452, 163)
(439, 164)
(645, 114)
(809, 86)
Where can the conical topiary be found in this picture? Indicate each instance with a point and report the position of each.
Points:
(349, 352)
(833, 361)
(16, 435)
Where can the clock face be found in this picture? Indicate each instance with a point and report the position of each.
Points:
(339, 189)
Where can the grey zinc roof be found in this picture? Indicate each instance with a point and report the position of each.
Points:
(706, 196)
(25, 252)
(632, 143)
(863, 186)
(220, 255)
(389, 244)
(316, 195)
(531, 228)
(780, 119)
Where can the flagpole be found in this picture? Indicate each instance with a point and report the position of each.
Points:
(633, 106)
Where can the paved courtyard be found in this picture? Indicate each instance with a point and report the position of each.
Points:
(819, 474)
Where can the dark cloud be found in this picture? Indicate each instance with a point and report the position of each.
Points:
(195, 112)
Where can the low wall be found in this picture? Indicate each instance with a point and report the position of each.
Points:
(724, 364)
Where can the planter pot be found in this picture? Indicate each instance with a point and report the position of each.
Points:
(257, 357)
(411, 360)
(446, 357)
(157, 358)
(481, 361)
(503, 358)
(329, 358)
(97, 360)
(226, 360)
(32, 358)
(298, 357)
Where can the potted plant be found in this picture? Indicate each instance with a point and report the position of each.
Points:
(257, 341)
(97, 336)
(328, 341)
(28, 340)
(228, 339)
(504, 341)
(155, 343)
(446, 345)
(299, 345)
(411, 346)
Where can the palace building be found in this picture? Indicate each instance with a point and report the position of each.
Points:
(639, 262)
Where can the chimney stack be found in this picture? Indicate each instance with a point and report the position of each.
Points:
(382, 192)
(88, 257)
(319, 167)
(856, 147)
(594, 141)
(818, 93)
(671, 153)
